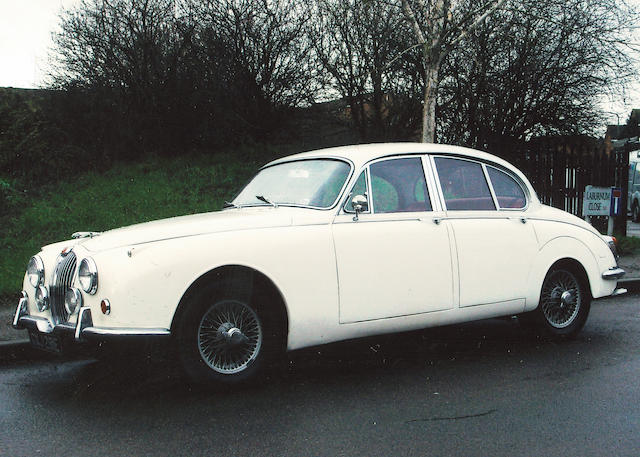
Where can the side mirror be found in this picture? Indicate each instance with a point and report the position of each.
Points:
(359, 203)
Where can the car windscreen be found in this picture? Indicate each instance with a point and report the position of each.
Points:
(313, 183)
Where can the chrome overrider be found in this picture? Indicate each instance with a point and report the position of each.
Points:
(615, 273)
(83, 330)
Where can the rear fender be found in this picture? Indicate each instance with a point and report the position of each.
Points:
(560, 248)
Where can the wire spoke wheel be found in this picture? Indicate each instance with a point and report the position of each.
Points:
(229, 336)
(561, 299)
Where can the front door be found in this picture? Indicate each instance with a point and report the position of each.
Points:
(395, 259)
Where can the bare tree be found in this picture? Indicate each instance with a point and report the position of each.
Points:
(439, 26)
(126, 56)
(356, 43)
(169, 72)
(534, 68)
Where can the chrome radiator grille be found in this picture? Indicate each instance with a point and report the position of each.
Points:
(62, 280)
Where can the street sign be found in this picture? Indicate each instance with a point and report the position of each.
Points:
(597, 201)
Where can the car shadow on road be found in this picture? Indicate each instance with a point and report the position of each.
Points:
(498, 347)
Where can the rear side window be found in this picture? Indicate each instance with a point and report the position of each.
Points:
(463, 185)
(507, 190)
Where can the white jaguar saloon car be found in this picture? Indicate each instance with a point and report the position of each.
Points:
(325, 246)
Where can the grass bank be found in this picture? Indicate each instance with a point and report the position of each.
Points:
(122, 195)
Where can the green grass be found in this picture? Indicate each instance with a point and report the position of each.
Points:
(122, 195)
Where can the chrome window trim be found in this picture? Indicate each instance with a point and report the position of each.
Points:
(490, 184)
(436, 176)
(432, 183)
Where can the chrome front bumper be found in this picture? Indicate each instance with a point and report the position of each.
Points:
(83, 330)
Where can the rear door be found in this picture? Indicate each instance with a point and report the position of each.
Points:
(486, 209)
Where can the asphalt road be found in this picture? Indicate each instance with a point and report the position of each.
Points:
(479, 389)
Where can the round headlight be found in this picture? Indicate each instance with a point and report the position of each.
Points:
(42, 298)
(88, 275)
(72, 300)
(35, 271)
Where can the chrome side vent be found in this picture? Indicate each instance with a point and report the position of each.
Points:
(62, 280)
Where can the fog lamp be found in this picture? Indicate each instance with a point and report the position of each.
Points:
(72, 300)
(42, 298)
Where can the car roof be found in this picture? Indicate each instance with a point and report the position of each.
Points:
(361, 154)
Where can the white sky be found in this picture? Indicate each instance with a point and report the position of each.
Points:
(26, 27)
(25, 37)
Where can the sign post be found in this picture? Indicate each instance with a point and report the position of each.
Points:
(602, 201)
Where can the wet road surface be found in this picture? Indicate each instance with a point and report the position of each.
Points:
(480, 389)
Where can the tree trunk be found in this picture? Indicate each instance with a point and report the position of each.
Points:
(430, 100)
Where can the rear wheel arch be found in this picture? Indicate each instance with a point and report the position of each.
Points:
(553, 316)
(576, 267)
(563, 250)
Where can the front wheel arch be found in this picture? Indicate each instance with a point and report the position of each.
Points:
(232, 284)
(237, 276)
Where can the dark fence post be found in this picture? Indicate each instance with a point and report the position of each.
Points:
(622, 167)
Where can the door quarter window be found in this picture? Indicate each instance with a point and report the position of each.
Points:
(359, 188)
(507, 190)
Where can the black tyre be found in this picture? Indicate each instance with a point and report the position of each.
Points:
(225, 338)
(564, 305)
(635, 212)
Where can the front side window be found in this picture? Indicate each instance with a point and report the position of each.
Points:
(315, 183)
(508, 192)
(398, 185)
(463, 185)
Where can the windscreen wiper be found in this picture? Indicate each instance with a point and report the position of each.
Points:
(262, 198)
